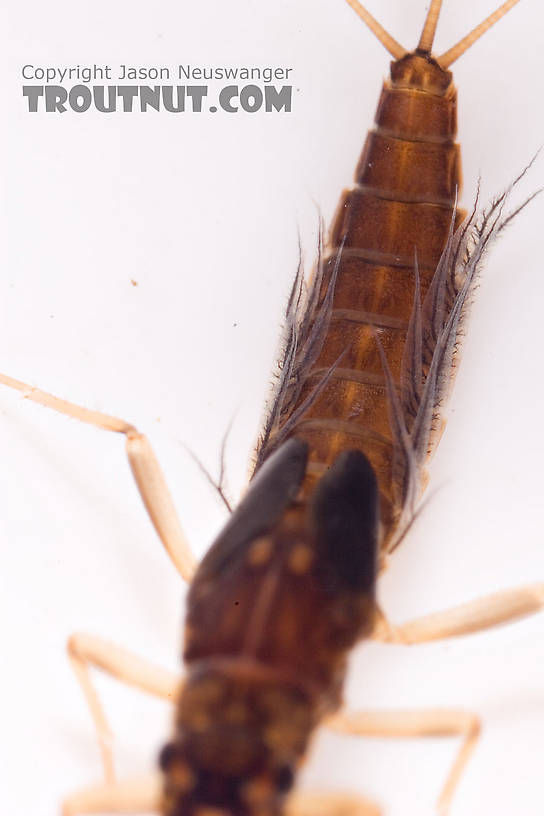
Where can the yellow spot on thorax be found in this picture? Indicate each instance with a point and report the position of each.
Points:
(260, 551)
(300, 559)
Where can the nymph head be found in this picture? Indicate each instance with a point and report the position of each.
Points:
(235, 749)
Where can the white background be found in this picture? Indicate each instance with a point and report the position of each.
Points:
(202, 211)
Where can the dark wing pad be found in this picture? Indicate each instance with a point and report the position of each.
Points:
(345, 513)
(274, 487)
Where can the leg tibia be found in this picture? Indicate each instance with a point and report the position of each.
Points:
(430, 723)
(475, 616)
(145, 467)
(85, 651)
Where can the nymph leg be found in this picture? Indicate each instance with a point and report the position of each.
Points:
(427, 723)
(474, 616)
(85, 651)
(145, 468)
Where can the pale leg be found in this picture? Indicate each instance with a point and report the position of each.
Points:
(475, 616)
(145, 468)
(86, 650)
(129, 796)
(430, 723)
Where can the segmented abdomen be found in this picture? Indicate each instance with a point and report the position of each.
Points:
(402, 204)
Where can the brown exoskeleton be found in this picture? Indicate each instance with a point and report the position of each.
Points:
(277, 603)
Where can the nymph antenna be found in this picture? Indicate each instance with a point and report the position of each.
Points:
(449, 57)
(395, 49)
